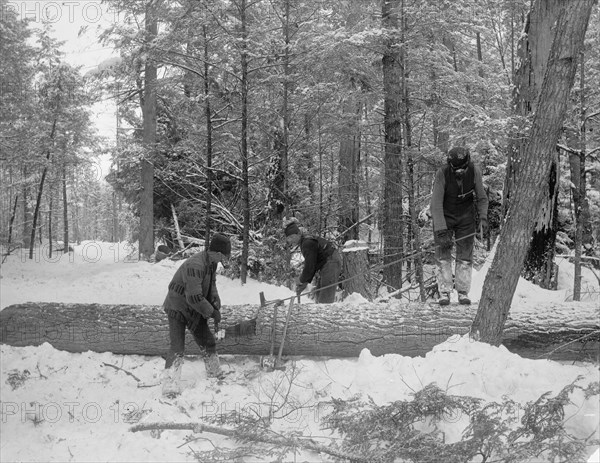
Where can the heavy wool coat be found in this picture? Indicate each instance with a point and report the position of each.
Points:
(193, 290)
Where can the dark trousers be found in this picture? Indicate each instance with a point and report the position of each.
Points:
(328, 279)
(463, 231)
(202, 335)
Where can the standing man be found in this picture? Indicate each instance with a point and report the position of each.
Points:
(458, 200)
(319, 255)
(193, 299)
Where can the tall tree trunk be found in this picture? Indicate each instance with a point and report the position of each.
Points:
(27, 214)
(285, 122)
(279, 165)
(534, 50)
(244, 147)
(348, 186)
(66, 209)
(364, 165)
(410, 164)
(50, 231)
(11, 221)
(393, 223)
(503, 275)
(146, 232)
(578, 185)
(38, 201)
(209, 131)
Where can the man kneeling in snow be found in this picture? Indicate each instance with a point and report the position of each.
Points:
(193, 299)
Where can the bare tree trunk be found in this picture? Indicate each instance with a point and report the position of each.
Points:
(209, 142)
(410, 166)
(534, 50)
(367, 189)
(146, 232)
(65, 209)
(285, 109)
(503, 275)
(356, 269)
(393, 223)
(50, 211)
(27, 216)
(577, 150)
(12, 219)
(348, 187)
(245, 178)
(38, 202)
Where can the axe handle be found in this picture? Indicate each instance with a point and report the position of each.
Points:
(273, 326)
(285, 327)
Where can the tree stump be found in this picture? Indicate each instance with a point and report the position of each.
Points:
(568, 331)
(356, 268)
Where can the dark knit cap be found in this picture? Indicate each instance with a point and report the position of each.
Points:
(459, 156)
(220, 243)
(292, 229)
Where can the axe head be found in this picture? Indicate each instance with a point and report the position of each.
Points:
(243, 328)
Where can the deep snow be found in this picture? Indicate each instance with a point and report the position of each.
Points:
(59, 406)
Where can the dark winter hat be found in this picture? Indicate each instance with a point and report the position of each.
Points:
(292, 229)
(458, 157)
(220, 243)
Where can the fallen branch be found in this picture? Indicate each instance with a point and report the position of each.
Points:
(562, 346)
(276, 440)
(121, 369)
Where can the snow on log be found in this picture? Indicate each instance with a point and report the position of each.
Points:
(568, 331)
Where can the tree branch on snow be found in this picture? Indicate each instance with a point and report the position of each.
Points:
(280, 440)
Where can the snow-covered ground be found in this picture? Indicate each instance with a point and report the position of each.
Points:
(60, 406)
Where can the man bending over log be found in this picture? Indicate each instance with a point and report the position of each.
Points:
(319, 255)
(193, 299)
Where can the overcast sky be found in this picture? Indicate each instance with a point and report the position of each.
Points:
(78, 24)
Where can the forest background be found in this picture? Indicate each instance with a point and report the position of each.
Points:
(233, 116)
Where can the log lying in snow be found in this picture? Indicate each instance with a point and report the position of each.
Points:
(558, 331)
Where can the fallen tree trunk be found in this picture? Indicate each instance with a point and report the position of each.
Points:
(565, 331)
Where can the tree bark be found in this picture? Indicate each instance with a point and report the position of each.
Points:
(393, 223)
(146, 231)
(534, 50)
(244, 142)
(65, 209)
(356, 268)
(38, 201)
(503, 275)
(411, 329)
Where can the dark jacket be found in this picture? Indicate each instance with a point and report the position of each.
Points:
(316, 251)
(457, 200)
(193, 289)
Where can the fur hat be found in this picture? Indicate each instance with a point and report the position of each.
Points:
(220, 243)
(458, 157)
(292, 228)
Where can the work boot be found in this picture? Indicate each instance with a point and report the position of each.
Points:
(463, 298)
(444, 299)
(213, 366)
(171, 378)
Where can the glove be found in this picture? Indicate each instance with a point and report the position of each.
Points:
(205, 308)
(483, 223)
(216, 315)
(216, 302)
(443, 239)
(300, 287)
